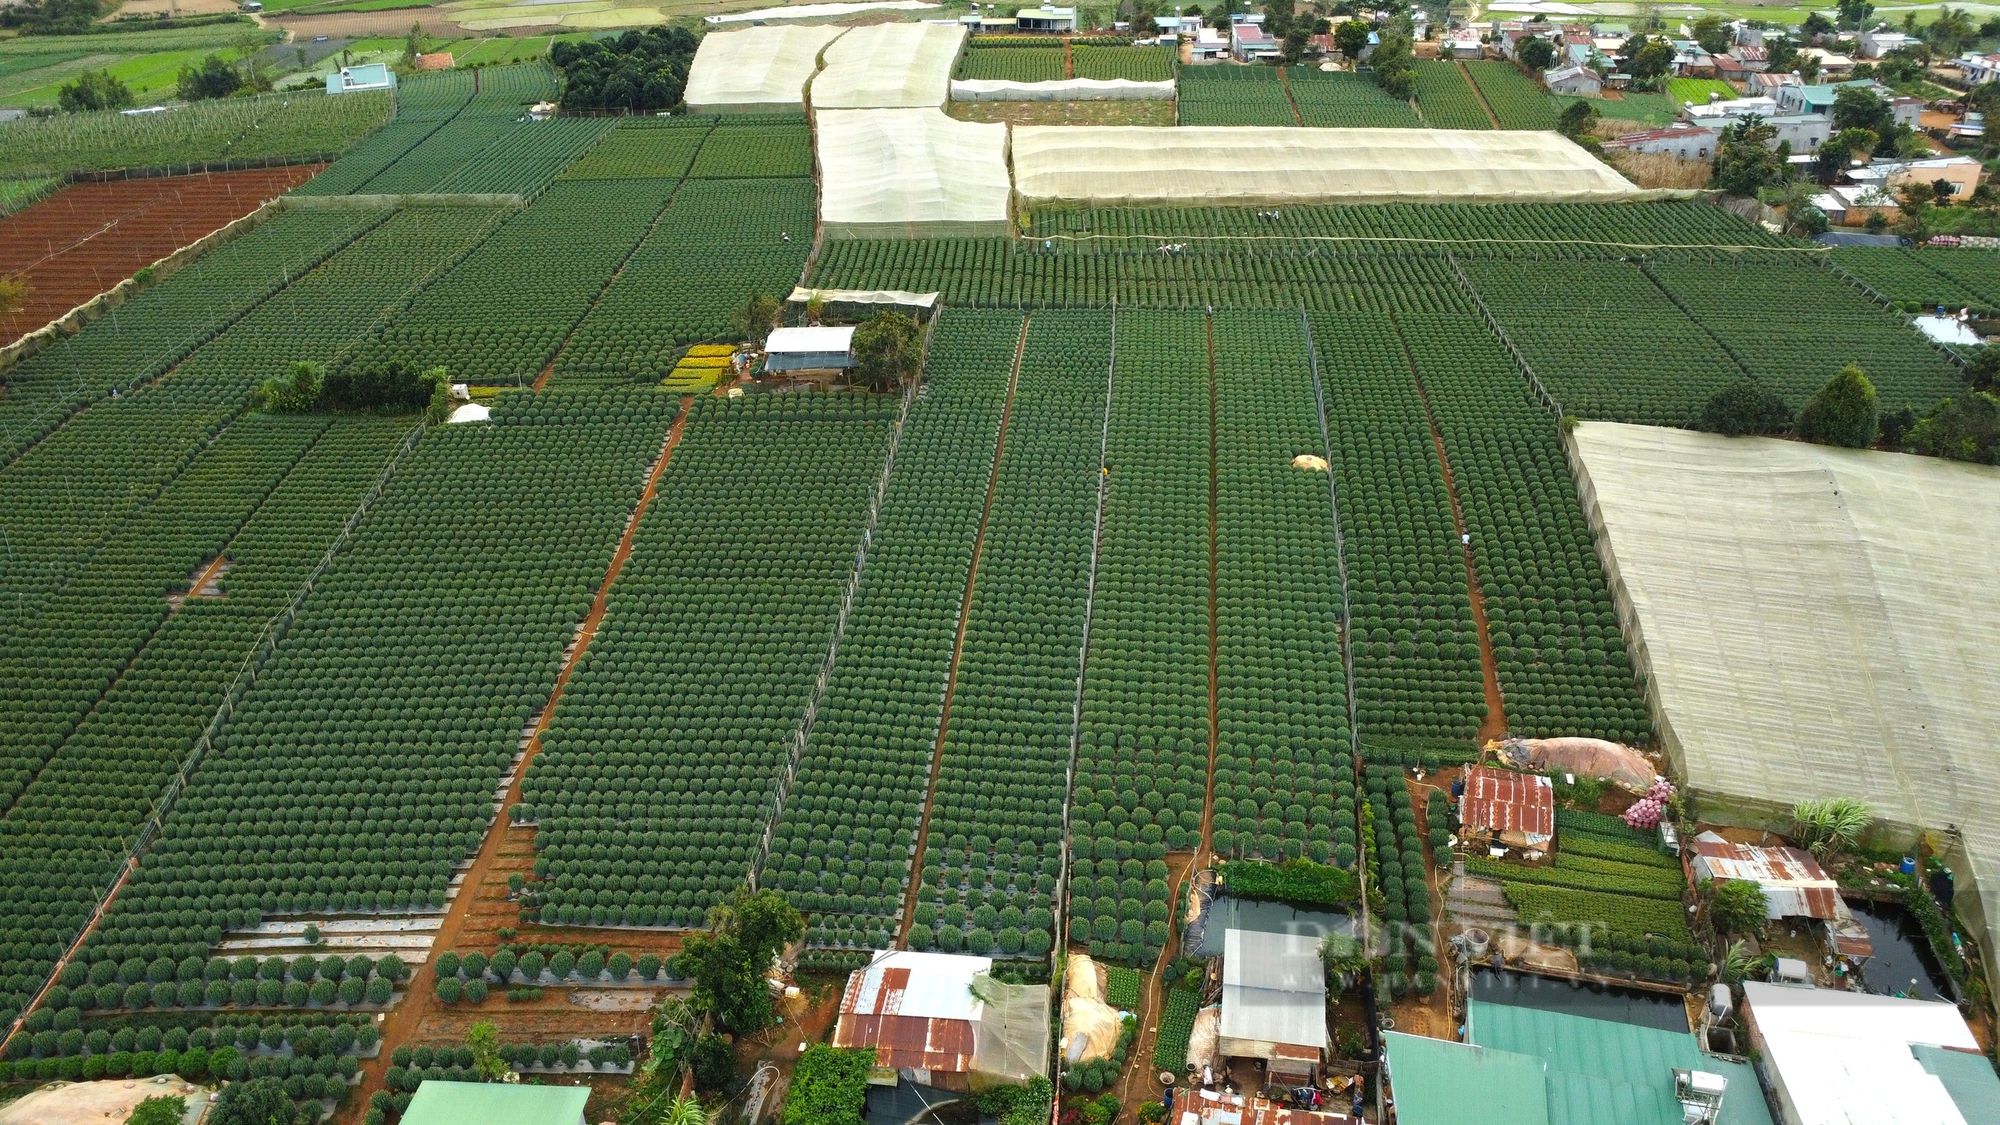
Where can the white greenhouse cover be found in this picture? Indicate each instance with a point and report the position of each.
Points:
(786, 341)
(1811, 623)
(1064, 90)
(757, 67)
(1082, 164)
(889, 65)
(801, 295)
(901, 172)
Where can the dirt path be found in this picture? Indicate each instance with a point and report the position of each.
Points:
(403, 1023)
(1214, 725)
(1139, 1064)
(958, 643)
(1495, 723)
(1480, 94)
(1285, 83)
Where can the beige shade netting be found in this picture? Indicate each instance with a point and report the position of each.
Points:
(889, 66)
(756, 68)
(898, 173)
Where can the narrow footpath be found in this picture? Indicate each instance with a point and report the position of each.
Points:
(1480, 94)
(958, 642)
(419, 1000)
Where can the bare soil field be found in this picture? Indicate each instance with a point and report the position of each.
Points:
(89, 1103)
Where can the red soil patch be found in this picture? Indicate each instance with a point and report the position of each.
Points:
(89, 237)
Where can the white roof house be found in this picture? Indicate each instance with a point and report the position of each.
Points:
(354, 79)
(1837, 1058)
(1273, 999)
(794, 349)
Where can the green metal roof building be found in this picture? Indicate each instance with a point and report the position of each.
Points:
(1589, 1072)
(494, 1103)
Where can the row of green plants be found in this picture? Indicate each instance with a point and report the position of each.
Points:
(1690, 223)
(444, 129)
(1145, 729)
(1622, 916)
(1445, 96)
(300, 123)
(760, 149)
(996, 816)
(1229, 95)
(1170, 1044)
(1609, 876)
(1343, 100)
(1412, 640)
(1300, 882)
(411, 1066)
(322, 798)
(501, 315)
(643, 148)
(424, 102)
(523, 157)
(719, 243)
(1926, 278)
(61, 1033)
(1284, 752)
(1397, 872)
(869, 754)
(1517, 101)
(681, 714)
(1018, 64)
(531, 964)
(1134, 64)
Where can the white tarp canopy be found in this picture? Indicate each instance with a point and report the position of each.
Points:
(1065, 90)
(1810, 623)
(895, 173)
(757, 67)
(889, 65)
(801, 295)
(784, 341)
(1083, 164)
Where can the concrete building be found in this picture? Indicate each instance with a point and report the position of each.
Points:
(1580, 81)
(354, 79)
(1689, 142)
(1249, 42)
(495, 1103)
(1978, 68)
(1874, 44)
(1833, 1057)
(809, 349)
(1274, 1002)
(1961, 172)
(1047, 19)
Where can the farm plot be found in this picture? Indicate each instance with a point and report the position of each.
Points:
(733, 151)
(296, 124)
(1284, 754)
(63, 496)
(1014, 64)
(87, 238)
(167, 320)
(1978, 270)
(1142, 768)
(324, 799)
(499, 317)
(1217, 95)
(424, 104)
(1561, 657)
(1815, 325)
(1621, 225)
(994, 843)
(841, 847)
(1341, 100)
(1656, 366)
(651, 813)
(720, 243)
(1396, 872)
(1611, 893)
(66, 831)
(643, 148)
(1415, 651)
(1917, 278)
(523, 159)
(1683, 91)
(1516, 100)
(1135, 64)
(1446, 99)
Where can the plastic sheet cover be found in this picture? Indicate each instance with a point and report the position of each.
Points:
(905, 173)
(1011, 1038)
(1140, 164)
(1065, 90)
(1813, 622)
(889, 65)
(756, 68)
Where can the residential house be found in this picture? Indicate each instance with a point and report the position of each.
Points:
(1794, 886)
(1618, 31)
(1691, 61)
(1208, 46)
(1820, 98)
(1805, 132)
(1880, 41)
(1464, 44)
(1755, 60)
(1507, 809)
(1906, 110)
(1767, 83)
(809, 349)
(1729, 68)
(1832, 66)
(355, 79)
(1580, 81)
(1717, 107)
(1749, 36)
(1833, 1056)
(1978, 68)
(1852, 204)
(1274, 1003)
(1249, 42)
(1961, 172)
(1689, 142)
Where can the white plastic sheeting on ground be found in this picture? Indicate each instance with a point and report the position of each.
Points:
(1066, 90)
(899, 173)
(889, 65)
(1810, 622)
(1115, 164)
(756, 68)
(801, 295)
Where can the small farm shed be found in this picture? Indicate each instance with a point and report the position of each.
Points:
(354, 79)
(1274, 1001)
(1833, 1057)
(1578, 80)
(938, 1018)
(1516, 810)
(1794, 884)
(495, 1103)
(1046, 18)
(809, 349)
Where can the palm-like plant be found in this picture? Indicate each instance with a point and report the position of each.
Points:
(1829, 825)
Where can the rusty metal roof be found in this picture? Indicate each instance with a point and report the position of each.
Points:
(1795, 886)
(1505, 801)
(871, 1016)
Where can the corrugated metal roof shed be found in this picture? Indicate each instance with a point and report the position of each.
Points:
(1273, 988)
(495, 1103)
(1795, 886)
(1505, 801)
(916, 1009)
(1438, 1082)
(1602, 1071)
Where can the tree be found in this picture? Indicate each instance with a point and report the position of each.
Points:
(164, 1110)
(1845, 412)
(52, 17)
(727, 962)
(1857, 107)
(261, 1101)
(1576, 118)
(93, 90)
(484, 1040)
(1351, 36)
(1817, 27)
(413, 44)
(294, 392)
(1293, 46)
(714, 1063)
(755, 318)
(1743, 409)
(1854, 13)
(1710, 32)
(828, 1087)
(394, 385)
(1829, 825)
(214, 78)
(1782, 53)
(1536, 53)
(1965, 428)
(1395, 66)
(887, 350)
(1736, 906)
(1652, 60)
(1744, 162)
